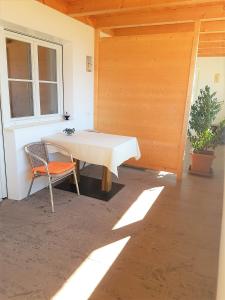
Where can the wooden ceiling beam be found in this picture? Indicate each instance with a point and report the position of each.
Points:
(62, 6)
(211, 45)
(154, 29)
(206, 27)
(211, 52)
(216, 50)
(158, 16)
(211, 55)
(212, 37)
(109, 32)
(100, 7)
(213, 26)
(86, 20)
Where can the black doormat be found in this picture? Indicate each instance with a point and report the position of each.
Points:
(90, 187)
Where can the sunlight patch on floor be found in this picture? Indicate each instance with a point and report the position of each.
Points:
(161, 174)
(138, 210)
(86, 278)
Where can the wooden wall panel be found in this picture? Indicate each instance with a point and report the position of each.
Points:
(142, 92)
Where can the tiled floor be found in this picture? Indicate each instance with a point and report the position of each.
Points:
(166, 248)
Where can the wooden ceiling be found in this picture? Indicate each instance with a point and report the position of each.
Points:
(138, 17)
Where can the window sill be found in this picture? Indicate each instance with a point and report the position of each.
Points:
(39, 123)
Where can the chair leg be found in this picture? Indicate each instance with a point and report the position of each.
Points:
(76, 183)
(31, 184)
(51, 194)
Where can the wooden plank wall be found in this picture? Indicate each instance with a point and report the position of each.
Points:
(142, 91)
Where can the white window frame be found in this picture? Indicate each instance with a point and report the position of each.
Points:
(34, 42)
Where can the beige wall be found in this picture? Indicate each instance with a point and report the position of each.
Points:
(143, 84)
(211, 71)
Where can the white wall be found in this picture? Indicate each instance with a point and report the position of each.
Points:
(207, 68)
(34, 18)
(17, 167)
(78, 39)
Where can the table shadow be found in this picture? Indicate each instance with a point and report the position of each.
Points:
(90, 187)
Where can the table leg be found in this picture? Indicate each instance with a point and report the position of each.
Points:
(106, 180)
(77, 168)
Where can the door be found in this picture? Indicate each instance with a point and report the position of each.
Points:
(3, 188)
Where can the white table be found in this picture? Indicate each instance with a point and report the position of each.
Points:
(98, 148)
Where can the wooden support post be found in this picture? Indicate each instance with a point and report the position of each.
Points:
(96, 68)
(183, 137)
(106, 179)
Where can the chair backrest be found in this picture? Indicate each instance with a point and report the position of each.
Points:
(38, 149)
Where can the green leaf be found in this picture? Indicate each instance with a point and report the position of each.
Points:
(202, 115)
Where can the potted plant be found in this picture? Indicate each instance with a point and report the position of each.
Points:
(203, 135)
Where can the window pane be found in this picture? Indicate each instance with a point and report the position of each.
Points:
(48, 98)
(18, 59)
(47, 64)
(21, 99)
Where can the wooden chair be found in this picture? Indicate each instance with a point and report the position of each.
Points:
(42, 166)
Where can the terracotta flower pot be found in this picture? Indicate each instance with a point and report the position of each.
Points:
(201, 163)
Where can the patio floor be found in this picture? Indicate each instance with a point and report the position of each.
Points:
(165, 247)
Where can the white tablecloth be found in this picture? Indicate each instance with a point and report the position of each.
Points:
(98, 148)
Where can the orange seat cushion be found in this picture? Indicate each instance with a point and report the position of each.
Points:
(55, 167)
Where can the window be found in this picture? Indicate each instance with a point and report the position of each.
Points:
(47, 80)
(20, 78)
(34, 77)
